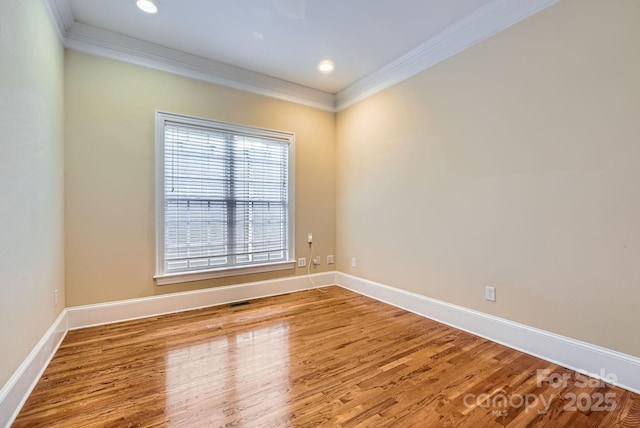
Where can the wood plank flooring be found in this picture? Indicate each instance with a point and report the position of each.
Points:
(309, 359)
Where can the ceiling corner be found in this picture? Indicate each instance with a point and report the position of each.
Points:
(62, 16)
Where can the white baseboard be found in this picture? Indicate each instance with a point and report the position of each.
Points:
(582, 357)
(573, 354)
(17, 389)
(125, 310)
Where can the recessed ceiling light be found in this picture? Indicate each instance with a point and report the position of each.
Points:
(326, 66)
(147, 6)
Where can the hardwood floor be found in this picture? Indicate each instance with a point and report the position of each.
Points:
(309, 359)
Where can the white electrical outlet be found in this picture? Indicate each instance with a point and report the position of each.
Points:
(330, 260)
(55, 298)
(353, 262)
(302, 262)
(316, 260)
(490, 293)
(310, 238)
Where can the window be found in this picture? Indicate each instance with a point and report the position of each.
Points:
(224, 199)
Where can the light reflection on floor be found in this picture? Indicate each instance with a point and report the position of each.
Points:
(218, 378)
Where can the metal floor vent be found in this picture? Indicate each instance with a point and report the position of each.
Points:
(235, 304)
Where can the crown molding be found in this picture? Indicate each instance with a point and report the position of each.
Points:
(96, 41)
(104, 43)
(60, 11)
(486, 21)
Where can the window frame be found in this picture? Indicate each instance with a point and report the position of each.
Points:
(163, 277)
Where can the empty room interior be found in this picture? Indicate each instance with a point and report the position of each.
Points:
(340, 213)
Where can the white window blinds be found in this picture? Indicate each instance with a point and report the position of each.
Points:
(226, 196)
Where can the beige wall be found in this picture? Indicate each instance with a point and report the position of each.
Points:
(515, 163)
(31, 179)
(109, 153)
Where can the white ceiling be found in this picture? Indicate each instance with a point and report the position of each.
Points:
(360, 36)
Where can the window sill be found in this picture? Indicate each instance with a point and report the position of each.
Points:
(176, 278)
